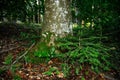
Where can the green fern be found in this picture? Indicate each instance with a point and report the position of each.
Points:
(83, 49)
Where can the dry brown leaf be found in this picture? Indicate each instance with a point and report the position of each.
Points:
(60, 75)
(50, 62)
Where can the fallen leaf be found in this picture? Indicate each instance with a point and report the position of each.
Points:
(60, 75)
(50, 62)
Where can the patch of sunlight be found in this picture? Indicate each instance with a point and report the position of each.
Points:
(75, 25)
(88, 24)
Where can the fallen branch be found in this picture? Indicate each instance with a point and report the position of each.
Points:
(23, 54)
(9, 49)
(110, 78)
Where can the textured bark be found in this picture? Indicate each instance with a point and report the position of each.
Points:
(57, 18)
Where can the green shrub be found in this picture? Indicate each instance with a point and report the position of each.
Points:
(65, 69)
(51, 71)
(8, 59)
(43, 51)
(83, 49)
(16, 77)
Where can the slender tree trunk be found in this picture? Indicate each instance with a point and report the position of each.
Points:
(38, 17)
(1, 14)
(39, 11)
(57, 20)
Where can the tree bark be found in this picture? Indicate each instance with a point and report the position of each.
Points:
(57, 20)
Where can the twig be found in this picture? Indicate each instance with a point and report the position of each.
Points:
(9, 49)
(110, 78)
(24, 53)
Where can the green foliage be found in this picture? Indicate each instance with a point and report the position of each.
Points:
(2, 70)
(14, 67)
(28, 36)
(86, 46)
(84, 49)
(51, 71)
(21, 10)
(42, 54)
(104, 15)
(65, 69)
(8, 59)
(16, 77)
(77, 71)
(44, 51)
(82, 78)
(31, 32)
(115, 59)
(10, 66)
(27, 59)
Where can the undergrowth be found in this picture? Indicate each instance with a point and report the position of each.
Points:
(77, 51)
(85, 49)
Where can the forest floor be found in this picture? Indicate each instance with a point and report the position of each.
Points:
(13, 65)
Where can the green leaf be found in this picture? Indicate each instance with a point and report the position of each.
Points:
(77, 71)
(82, 78)
(49, 73)
(8, 59)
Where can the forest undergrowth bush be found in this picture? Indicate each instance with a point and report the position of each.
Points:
(84, 48)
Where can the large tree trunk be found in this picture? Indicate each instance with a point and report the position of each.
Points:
(57, 19)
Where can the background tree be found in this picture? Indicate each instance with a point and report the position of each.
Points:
(23, 10)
